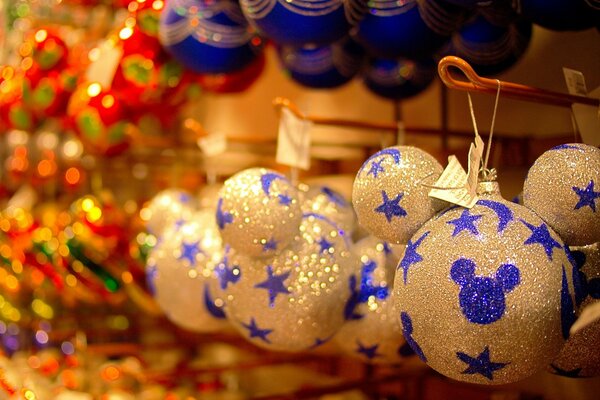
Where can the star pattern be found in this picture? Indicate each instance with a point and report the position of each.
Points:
(189, 251)
(376, 168)
(223, 217)
(541, 235)
(270, 245)
(225, 273)
(466, 221)
(324, 244)
(368, 351)
(587, 196)
(481, 364)
(285, 200)
(411, 256)
(391, 207)
(255, 332)
(274, 284)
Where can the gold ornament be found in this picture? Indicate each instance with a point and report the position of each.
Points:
(580, 356)
(563, 187)
(372, 330)
(165, 209)
(388, 196)
(294, 301)
(330, 203)
(181, 270)
(484, 295)
(258, 212)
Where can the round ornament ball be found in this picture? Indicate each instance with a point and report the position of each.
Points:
(208, 37)
(579, 357)
(388, 193)
(326, 201)
(167, 208)
(181, 271)
(372, 331)
(258, 212)
(495, 281)
(295, 300)
(399, 78)
(563, 187)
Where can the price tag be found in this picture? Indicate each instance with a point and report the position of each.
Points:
(213, 144)
(105, 61)
(575, 82)
(293, 141)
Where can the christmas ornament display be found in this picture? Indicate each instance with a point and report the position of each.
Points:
(258, 212)
(563, 187)
(329, 203)
(298, 23)
(579, 357)
(209, 37)
(399, 79)
(167, 208)
(182, 271)
(388, 196)
(326, 66)
(293, 301)
(493, 280)
(561, 15)
(372, 329)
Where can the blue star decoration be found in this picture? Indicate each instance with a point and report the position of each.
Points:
(319, 342)
(225, 273)
(285, 200)
(587, 196)
(541, 235)
(407, 331)
(223, 217)
(376, 168)
(481, 364)
(368, 351)
(274, 284)
(324, 244)
(366, 290)
(391, 207)
(466, 221)
(189, 251)
(411, 256)
(255, 332)
(270, 245)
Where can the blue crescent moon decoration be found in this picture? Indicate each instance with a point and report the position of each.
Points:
(567, 310)
(334, 197)
(394, 153)
(445, 211)
(504, 213)
(266, 180)
(407, 331)
(210, 305)
(568, 373)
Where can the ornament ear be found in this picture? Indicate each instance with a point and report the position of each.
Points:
(508, 276)
(462, 271)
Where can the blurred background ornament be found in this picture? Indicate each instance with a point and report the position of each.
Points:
(167, 208)
(399, 79)
(560, 15)
(331, 204)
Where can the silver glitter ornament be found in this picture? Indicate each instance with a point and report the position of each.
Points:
(294, 301)
(330, 203)
(580, 356)
(388, 196)
(485, 295)
(166, 208)
(181, 270)
(258, 212)
(372, 331)
(563, 187)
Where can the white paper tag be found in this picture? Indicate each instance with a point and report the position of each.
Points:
(452, 185)
(106, 58)
(293, 141)
(589, 315)
(575, 82)
(213, 144)
(475, 155)
(588, 120)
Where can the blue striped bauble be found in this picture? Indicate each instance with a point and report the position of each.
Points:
(208, 37)
(399, 78)
(561, 15)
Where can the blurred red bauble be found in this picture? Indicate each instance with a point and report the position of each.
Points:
(45, 50)
(233, 82)
(14, 114)
(48, 96)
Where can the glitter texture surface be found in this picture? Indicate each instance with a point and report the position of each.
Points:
(388, 197)
(330, 203)
(258, 212)
(294, 301)
(183, 264)
(481, 304)
(563, 187)
(166, 208)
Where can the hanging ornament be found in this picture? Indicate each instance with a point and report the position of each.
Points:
(258, 212)
(561, 15)
(294, 301)
(329, 203)
(298, 23)
(236, 81)
(563, 187)
(399, 79)
(209, 37)
(495, 281)
(43, 52)
(166, 208)
(14, 114)
(325, 66)
(49, 96)
(182, 271)
(372, 330)
(388, 196)
(579, 357)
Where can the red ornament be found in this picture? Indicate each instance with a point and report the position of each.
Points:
(14, 114)
(48, 96)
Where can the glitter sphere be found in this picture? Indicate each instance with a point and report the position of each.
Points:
(323, 200)
(168, 207)
(181, 270)
(258, 212)
(495, 282)
(579, 357)
(294, 301)
(563, 187)
(372, 331)
(388, 197)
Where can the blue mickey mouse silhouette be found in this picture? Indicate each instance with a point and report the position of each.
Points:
(482, 299)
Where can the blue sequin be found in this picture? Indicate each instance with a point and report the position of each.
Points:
(391, 207)
(587, 196)
(504, 213)
(541, 235)
(466, 221)
(274, 284)
(411, 256)
(407, 331)
(567, 311)
(481, 364)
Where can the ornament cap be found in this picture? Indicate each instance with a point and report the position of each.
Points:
(488, 188)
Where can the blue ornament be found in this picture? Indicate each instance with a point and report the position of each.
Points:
(399, 79)
(561, 15)
(209, 37)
